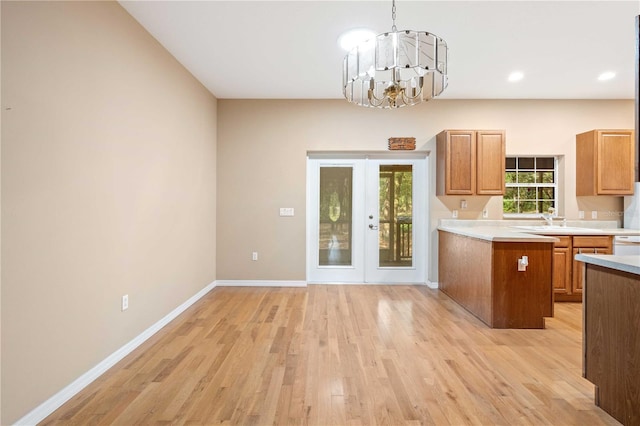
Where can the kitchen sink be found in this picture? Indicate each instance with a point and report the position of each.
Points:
(557, 229)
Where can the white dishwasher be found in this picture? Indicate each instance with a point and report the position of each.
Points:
(625, 245)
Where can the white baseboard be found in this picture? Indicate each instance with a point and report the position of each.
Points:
(49, 406)
(361, 283)
(432, 284)
(260, 283)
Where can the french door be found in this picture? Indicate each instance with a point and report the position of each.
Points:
(366, 220)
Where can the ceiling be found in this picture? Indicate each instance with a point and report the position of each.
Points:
(289, 49)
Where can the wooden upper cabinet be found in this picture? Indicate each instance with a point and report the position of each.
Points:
(456, 162)
(490, 154)
(605, 162)
(470, 162)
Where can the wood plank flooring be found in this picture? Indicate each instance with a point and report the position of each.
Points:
(344, 355)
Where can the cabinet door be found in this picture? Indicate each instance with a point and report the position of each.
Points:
(457, 153)
(615, 169)
(562, 270)
(490, 154)
(578, 267)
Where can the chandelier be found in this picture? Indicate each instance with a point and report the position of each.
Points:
(395, 69)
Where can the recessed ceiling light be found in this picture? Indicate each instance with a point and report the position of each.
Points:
(606, 76)
(516, 76)
(352, 38)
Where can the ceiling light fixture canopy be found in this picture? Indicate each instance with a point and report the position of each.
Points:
(395, 69)
(516, 76)
(606, 76)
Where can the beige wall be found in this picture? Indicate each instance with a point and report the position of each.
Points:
(108, 188)
(262, 147)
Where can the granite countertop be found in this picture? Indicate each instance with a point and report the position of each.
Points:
(629, 263)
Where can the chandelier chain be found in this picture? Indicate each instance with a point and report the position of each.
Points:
(393, 16)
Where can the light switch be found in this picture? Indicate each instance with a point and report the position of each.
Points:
(286, 211)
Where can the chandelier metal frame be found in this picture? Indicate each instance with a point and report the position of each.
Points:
(396, 68)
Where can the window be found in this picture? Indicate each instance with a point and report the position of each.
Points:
(531, 185)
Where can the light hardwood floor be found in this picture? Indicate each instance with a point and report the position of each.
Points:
(344, 355)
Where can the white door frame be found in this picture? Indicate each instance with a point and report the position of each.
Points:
(354, 273)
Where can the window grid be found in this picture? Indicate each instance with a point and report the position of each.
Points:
(531, 185)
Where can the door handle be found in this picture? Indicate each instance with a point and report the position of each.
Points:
(372, 226)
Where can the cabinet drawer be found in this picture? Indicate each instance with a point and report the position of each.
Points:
(592, 241)
(563, 241)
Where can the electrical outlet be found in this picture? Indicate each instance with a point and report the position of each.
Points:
(455, 214)
(523, 262)
(485, 213)
(125, 302)
(287, 211)
(581, 214)
(254, 255)
(594, 214)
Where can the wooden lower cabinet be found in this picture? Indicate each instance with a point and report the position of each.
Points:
(562, 265)
(567, 272)
(587, 245)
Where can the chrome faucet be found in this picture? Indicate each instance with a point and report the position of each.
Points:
(548, 216)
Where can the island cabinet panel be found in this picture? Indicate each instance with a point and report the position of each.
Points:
(522, 298)
(611, 343)
(464, 273)
(483, 277)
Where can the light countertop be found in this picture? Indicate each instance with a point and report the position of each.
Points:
(571, 230)
(498, 234)
(529, 231)
(629, 263)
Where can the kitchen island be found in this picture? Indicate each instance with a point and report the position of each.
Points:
(611, 329)
(573, 237)
(501, 276)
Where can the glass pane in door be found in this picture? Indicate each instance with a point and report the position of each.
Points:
(335, 216)
(395, 235)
